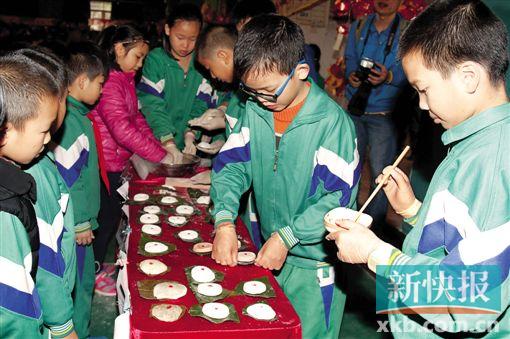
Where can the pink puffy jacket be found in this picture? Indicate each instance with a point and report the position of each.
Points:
(122, 127)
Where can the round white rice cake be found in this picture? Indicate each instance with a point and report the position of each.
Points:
(166, 312)
(155, 247)
(261, 311)
(246, 257)
(152, 209)
(204, 145)
(188, 235)
(169, 290)
(141, 197)
(149, 218)
(169, 200)
(177, 220)
(210, 289)
(202, 247)
(216, 310)
(204, 200)
(202, 274)
(185, 210)
(151, 229)
(254, 287)
(152, 267)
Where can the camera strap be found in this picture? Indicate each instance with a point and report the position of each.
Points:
(391, 37)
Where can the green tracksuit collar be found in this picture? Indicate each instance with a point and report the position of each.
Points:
(310, 112)
(77, 106)
(476, 123)
(175, 64)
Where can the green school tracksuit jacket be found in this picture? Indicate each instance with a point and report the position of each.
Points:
(20, 305)
(169, 98)
(76, 158)
(77, 162)
(57, 259)
(464, 220)
(315, 169)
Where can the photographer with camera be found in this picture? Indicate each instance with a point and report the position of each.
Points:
(375, 79)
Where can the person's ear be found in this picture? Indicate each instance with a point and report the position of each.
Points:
(120, 51)
(82, 81)
(469, 74)
(9, 131)
(302, 71)
(223, 56)
(167, 30)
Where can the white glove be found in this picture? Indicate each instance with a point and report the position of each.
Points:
(212, 119)
(355, 243)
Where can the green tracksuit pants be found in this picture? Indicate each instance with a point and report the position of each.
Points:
(83, 290)
(317, 298)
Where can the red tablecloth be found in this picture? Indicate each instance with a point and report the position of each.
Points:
(143, 326)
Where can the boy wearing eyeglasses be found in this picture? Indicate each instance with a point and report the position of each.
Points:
(297, 148)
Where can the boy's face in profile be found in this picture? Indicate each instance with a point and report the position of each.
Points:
(220, 65)
(445, 99)
(24, 145)
(92, 89)
(272, 82)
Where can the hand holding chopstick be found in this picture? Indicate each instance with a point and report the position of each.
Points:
(382, 182)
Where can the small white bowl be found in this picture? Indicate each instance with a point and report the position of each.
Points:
(342, 213)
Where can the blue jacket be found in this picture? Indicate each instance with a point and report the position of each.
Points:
(383, 96)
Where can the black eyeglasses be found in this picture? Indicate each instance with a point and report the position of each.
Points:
(270, 97)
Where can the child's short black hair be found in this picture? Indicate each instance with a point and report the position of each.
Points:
(127, 35)
(85, 57)
(268, 43)
(24, 83)
(186, 12)
(214, 37)
(249, 8)
(449, 32)
(51, 62)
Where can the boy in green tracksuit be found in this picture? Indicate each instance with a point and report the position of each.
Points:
(455, 55)
(55, 220)
(29, 100)
(297, 148)
(77, 161)
(215, 51)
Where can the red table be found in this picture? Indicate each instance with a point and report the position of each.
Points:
(143, 326)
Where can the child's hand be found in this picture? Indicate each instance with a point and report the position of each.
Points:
(189, 144)
(172, 149)
(72, 335)
(273, 253)
(355, 243)
(212, 119)
(225, 245)
(84, 238)
(398, 189)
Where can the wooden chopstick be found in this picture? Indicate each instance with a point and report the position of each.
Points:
(383, 181)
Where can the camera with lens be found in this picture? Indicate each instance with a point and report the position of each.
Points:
(364, 69)
(359, 100)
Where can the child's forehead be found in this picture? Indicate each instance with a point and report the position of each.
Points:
(263, 75)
